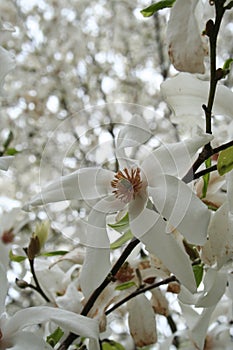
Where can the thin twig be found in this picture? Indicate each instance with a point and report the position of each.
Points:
(140, 291)
(92, 299)
(204, 155)
(37, 287)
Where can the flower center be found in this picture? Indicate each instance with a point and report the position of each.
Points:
(126, 184)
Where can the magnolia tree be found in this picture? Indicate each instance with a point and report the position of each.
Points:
(146, 217)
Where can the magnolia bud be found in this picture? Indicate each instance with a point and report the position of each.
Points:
(42, 231)
(21, 283)
(33, 248)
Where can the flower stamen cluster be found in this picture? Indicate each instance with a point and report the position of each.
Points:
(127, 184)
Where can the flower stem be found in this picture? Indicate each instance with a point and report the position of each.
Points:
(37, 287)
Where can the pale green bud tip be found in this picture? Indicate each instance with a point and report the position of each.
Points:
(42, 231)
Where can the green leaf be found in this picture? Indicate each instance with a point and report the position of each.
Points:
(121, 224)
(16, 258)
(227, 64)
(125, 285)
(198, 273)
(54, 337)
(122, 240)
(111, 345)
(57, 252)
(206, 178)
(11, 151)
(225, 161)
(150, 10)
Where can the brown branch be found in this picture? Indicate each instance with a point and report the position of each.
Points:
(140, 291)
(92, 299)
(204, 155)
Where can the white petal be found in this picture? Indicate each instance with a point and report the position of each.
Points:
(183, 210)
(109, 204)
(27, 340)
(3, 289)
(159, 302)
(173, 159)
(94, 270)
(97, 260)
(150, 228)
(94, 344)
(214, 287)
(77, 324)
(5, 162)
(133, 134)
(229, 179)
(185, 44)
(86, 183)
(220, 236)
(137, 206)
(6, 65)
(185, 94)
(142, 322)
(71, 300)
(4, 255)
(197, 323)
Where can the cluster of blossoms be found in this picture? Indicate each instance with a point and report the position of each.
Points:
(172, 230)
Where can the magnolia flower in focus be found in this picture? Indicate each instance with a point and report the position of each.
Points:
(185, 44)
(13, 335)
(154, 182)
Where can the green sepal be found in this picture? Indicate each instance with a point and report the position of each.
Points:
(198, 273)
(225, 161)
(227, 64)
(54, 337)
(206, 178)
(16, 258)
(122, 240)
(111, 345)
(125, 285)
(120, 225)
(57, 252)
(150, 10)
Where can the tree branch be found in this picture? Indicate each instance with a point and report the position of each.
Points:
(140, 291)
(204, 155)
(92, 299)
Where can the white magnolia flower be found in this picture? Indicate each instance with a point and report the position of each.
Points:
(185, 43)
(217, 253)
(219, 247)
(185, 94)
(13, 335)
(154, 180)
